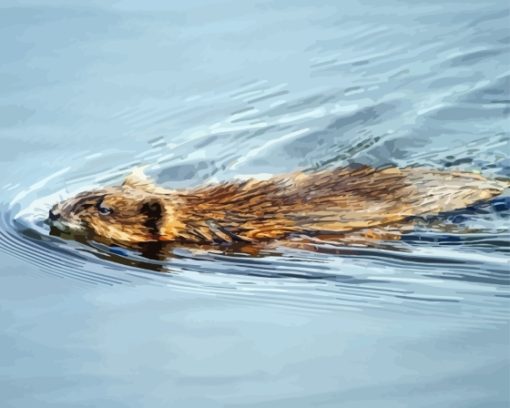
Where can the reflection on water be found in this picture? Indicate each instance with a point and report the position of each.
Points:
(324, 274)
(204, 92)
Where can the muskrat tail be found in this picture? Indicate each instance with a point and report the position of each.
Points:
(447, 191)
(503, 180)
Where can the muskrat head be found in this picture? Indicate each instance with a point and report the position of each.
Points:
(126, 214)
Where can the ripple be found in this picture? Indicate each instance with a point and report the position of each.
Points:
(410, 275)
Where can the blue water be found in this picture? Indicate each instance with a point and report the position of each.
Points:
(208, 91)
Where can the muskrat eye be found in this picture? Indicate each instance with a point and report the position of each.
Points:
(104, 210)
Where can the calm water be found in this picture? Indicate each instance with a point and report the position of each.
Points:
(205, 92)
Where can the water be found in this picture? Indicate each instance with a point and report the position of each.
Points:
(206, 92)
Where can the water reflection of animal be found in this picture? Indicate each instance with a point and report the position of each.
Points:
(344, 204)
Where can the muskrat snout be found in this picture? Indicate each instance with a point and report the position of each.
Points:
(57, 220)
(53, 214)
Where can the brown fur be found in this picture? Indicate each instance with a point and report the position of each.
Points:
(353, 201)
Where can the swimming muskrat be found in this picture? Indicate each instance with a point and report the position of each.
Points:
(355, 200)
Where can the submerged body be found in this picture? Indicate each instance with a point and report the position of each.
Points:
(334, 203)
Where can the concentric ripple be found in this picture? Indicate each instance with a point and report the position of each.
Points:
(426, 268)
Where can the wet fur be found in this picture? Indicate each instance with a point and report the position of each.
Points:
(341, 204)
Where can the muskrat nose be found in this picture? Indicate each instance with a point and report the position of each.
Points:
(53, 215)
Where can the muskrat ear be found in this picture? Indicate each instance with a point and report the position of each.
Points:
(138, 180)
(153, 209)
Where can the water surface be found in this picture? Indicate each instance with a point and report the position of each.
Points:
(204, 92)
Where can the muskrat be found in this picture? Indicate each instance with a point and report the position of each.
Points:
(334, 203)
